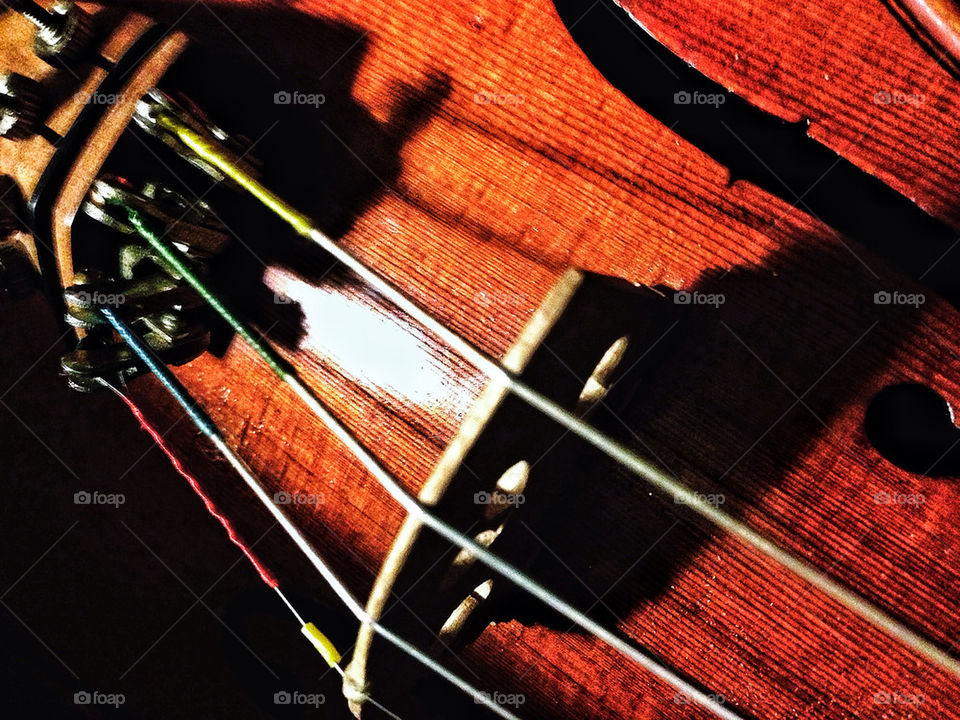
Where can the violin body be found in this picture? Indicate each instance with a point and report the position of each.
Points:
(853, 74)
(473, 154)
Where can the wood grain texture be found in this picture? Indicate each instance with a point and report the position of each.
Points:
(868, 89)
(524, 161)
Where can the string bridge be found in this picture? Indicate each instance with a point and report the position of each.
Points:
(502, 477)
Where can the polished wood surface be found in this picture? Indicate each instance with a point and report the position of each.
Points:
(494, 156)
(867, 88)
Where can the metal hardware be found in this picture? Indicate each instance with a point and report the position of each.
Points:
(98, 357)
(19, 106)
(155, 104)
(63, 33)
(191, 227)
(166, 312)
(130, 299)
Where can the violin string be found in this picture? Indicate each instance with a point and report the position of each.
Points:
(618, 452)
(410, 504)
(308, 629)
(268, 577)
(336, 665)
(208, 429)
(293, 610)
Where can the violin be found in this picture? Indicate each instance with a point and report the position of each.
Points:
(560, 390)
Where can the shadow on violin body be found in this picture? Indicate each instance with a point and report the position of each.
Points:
(749, 399)
(304, 134)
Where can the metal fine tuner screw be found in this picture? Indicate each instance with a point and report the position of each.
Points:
(64, 32)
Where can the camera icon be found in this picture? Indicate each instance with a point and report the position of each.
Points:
(882, 298)
(682, 297)
(883, 98)
(282, 498)
(282, 98)
(282, 698)
(682, 98)
(82, 698)
(281, 299)
(481, 498)
(82, 498)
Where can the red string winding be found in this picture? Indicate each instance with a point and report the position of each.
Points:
(265, 574)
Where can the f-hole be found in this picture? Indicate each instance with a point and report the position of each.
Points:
(914, 428)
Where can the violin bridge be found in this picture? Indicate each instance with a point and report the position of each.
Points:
(506, 458)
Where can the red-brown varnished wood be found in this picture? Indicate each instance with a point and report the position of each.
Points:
(835, 65)
(762, 399)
